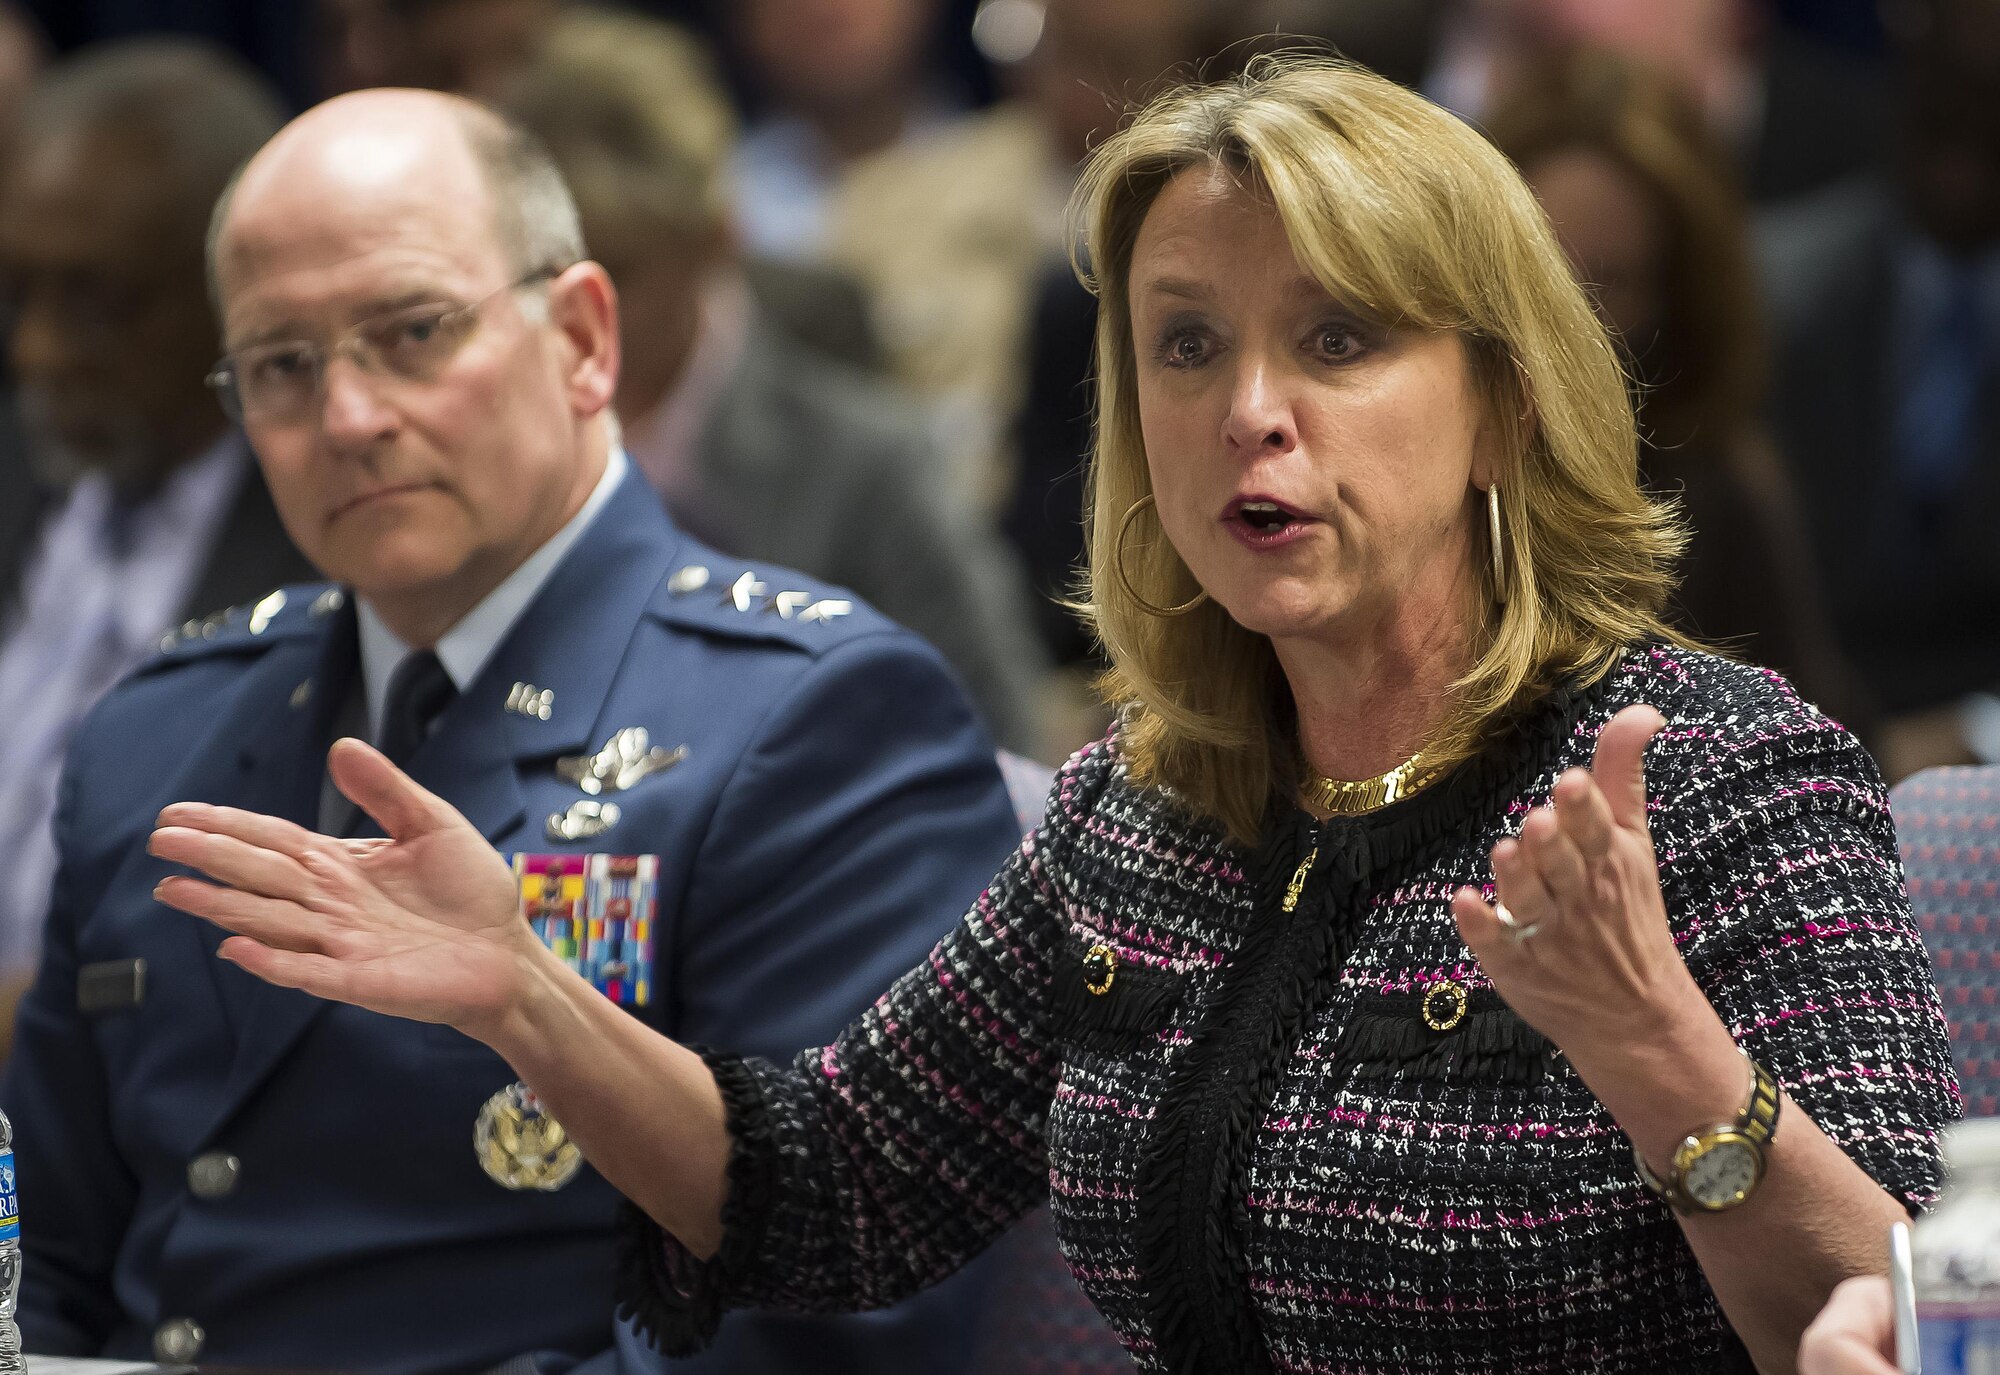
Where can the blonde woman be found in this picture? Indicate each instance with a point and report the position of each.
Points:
(1438, 967)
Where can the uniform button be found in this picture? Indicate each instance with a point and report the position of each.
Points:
(179, 1341)
(214, 1175)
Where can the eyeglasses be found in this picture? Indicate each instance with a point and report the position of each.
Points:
(283, 381)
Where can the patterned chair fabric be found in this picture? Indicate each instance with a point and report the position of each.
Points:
(1948, 824)
(1037, 1321)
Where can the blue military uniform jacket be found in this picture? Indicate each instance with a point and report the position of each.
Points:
(212, 1166)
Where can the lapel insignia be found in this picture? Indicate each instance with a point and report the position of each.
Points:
(825, 610)
(627, 758)
(744, 591)
(265, 611)
(302, 694)
(787, 603)
(525, 699)
(329, 602)
(168, 641)
(582, 821)
(689, 579)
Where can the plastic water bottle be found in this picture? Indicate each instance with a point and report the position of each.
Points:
(1955, 1257)
(11, 1362)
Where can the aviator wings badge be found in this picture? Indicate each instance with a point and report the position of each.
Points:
(627, 759)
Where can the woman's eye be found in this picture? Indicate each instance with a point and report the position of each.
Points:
(1336, 343)
(1183, 349)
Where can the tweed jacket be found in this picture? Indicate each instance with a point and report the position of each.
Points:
(1259, 1153)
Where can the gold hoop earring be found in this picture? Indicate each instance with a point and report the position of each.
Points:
(1118, 567)
(1493, 530)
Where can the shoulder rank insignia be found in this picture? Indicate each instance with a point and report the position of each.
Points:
(826, 609)
(744, 591)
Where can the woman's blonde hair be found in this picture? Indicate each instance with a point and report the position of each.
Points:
(1409, 216)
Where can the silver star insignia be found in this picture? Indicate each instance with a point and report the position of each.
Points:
(689, 579)
(787, 603)
(744, 591)
(265, 611)
(826, 609)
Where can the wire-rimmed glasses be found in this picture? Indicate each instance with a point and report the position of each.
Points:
(281, 381)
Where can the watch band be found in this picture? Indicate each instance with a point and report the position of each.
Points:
(1756, 1123)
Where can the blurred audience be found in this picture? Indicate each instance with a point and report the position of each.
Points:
(771, 449)
(837, 81)
(133, 505)
(1646, 206)
(1796, 113)
(1885, 297)
(1397, 38)
(22, 54)
(470, 46)
(950, 233)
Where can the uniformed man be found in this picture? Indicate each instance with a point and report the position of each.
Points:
(776, 794)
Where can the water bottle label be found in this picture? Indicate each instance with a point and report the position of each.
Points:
(1959, 1343)
(10, 1207)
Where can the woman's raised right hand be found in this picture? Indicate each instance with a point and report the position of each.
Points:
(424, 924)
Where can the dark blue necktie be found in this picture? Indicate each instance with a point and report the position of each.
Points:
(419, 691)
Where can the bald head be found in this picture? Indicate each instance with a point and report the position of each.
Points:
(416, 349)
(399, 152)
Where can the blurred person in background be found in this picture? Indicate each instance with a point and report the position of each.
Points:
(1795, 113)
(22, 54)
(134, 504)
(1884, 295)
(960, 241)
(1646, 206)
(473, 47)
(950, 232)
(761, 445)
(837, 80)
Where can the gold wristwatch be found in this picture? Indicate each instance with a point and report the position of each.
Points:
(1716, 1168)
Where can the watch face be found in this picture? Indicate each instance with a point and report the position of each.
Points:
(1722, 1174)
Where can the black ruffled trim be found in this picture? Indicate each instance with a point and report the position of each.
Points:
(1137, 1004)
(1190, 1226)
(673, 1300)
(1387, 1037)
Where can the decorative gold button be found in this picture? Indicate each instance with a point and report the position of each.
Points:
(1100, 967)
(1444, 1005)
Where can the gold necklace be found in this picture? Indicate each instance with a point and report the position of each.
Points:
(1338, 798)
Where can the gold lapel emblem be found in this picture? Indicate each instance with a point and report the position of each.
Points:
(522, 1147)
(627, 759)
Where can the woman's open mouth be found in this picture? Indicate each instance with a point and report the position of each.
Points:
(1265, 524)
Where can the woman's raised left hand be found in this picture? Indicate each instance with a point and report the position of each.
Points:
(1590, 959)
